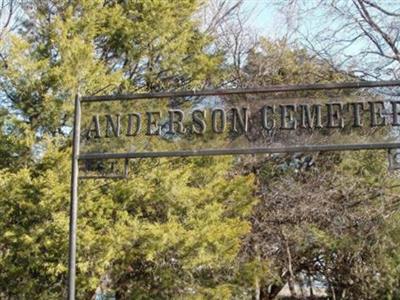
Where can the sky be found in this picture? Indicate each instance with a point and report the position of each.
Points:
(319, 25)
(265, 17)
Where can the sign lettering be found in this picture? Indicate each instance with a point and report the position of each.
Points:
(184, 125)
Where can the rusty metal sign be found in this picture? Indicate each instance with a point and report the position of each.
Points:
(276, 119)
(239, 122)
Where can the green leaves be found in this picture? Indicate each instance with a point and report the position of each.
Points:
(152, 221)
(186, 225)
(34, 226)
(182, 220)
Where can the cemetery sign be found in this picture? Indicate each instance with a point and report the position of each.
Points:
(275, 119)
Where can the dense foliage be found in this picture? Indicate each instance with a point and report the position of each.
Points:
(201, 228)
(160, 233)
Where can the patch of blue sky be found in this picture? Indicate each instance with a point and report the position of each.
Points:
(311, 24)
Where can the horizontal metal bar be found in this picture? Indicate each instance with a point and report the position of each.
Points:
(205, 152)
(103, 177)
(267, 89)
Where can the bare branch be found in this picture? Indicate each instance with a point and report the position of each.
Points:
(386, 37)
(374, 5)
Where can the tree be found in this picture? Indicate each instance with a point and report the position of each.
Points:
(313, 225)
(8, 9)
(159, 233)
(322, 217)
(229, 25)
(361, 36)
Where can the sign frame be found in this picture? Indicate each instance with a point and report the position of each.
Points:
(76, 156)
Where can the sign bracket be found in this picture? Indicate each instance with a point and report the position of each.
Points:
(124, 175)
(394, 159)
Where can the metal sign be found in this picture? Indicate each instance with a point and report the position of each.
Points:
(238, 122)
(318, 117)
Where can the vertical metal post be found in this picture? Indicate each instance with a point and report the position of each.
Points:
(74, 200)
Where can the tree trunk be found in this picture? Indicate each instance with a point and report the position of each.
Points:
(291, 277)
(257, 279)
(310, 285)
(270, 292)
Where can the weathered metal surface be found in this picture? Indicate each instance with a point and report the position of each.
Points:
(394, 159)
(310, 148)
(258, 90)
(238, 121)
(110, 172)
(242, 123)
(73, 215)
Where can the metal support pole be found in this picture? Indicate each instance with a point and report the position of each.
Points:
(74, 200)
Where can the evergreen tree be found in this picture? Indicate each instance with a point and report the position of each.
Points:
(174, 227)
